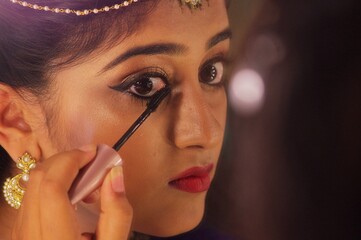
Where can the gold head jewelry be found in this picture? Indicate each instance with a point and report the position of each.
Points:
(83, 12)
(193, 4)
(13, 191)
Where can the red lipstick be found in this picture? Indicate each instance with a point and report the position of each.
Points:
(193, 180)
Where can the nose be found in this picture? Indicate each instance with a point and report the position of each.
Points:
(195, 123)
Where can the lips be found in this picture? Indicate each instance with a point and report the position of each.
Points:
(193, 180)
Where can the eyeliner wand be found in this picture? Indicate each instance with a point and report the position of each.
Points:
(152, 105)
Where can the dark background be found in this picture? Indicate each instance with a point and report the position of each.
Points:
(291, 169)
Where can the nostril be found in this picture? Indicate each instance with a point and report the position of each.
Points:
(197, 136)
(197, 122)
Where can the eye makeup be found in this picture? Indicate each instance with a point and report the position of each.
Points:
(91, 176)
(144, 84)
(211, 72)
(152, 105)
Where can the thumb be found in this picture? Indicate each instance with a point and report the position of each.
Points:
(115, 211)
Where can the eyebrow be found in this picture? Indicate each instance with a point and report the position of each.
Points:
(164, 48)
(152, 49)
(224, 35)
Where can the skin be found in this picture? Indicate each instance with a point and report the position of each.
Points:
(186, 130)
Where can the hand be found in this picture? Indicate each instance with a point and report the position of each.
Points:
(46, 212)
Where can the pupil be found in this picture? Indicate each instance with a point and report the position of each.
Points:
(143, 86)
(209, 73)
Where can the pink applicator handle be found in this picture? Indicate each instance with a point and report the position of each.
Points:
(87, 181)
(92, 175)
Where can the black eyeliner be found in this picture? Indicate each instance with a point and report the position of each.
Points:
(152, 105)
(130, 80)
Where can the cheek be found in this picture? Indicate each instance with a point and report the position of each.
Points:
(217, 102)
(75, 127)
(81, 130)
(94, 117)
(145, 157)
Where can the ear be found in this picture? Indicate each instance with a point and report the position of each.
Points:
(15, 133)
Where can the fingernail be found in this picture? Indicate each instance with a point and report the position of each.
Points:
(117, 181)
(87, 148)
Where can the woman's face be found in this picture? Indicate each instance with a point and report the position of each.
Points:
(98, 99)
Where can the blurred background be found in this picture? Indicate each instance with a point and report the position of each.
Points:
(291, 164)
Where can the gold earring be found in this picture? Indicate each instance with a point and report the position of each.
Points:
(13, 191)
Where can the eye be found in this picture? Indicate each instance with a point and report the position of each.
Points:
(143, 84)
(146, 86)
(212, 73)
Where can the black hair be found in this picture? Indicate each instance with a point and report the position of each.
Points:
(35, 43)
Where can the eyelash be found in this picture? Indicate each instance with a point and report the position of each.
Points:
(131, 80)
(155, 72)
(217, 59)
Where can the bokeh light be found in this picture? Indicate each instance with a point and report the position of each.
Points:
(246, 91)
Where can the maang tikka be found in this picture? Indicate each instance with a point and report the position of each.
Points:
(192, 4)
(13, 191)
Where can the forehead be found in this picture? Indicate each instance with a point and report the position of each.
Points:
(170, 18)
(167, 22)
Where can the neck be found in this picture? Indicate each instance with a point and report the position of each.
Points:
(7, 218)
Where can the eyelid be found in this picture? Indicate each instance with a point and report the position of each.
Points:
(217, 58)
(128, 81)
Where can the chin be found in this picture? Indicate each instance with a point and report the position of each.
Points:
(173, 230)
(168, 225)
(176, 230)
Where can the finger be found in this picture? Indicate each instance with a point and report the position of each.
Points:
(58, 214)
(63, 168)
(93, 197)
(116, 213)
(87, 236)
(46, 199)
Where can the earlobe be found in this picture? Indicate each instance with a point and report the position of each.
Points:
(14, 130)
